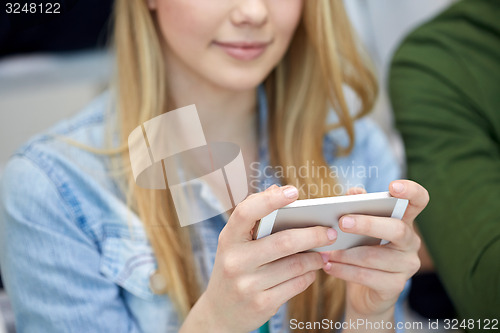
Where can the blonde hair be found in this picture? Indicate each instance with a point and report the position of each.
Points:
(322, 59)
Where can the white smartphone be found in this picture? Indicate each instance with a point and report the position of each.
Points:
(327, 211)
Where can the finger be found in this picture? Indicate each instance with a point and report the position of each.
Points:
(290, 241)
(416, 194)
(376, 257)
(255, 207)
(386, 284)
(356, 190)
(287, 268)
(288, 289)
(390, 229)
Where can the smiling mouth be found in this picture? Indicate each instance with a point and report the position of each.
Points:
(244, 51)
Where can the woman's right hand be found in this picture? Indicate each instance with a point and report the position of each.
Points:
(251, 279)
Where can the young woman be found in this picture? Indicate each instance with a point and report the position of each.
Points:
(85, 249)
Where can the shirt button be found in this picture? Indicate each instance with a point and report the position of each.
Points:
(157, 282)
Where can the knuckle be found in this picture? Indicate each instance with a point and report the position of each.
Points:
(399, 286)
(251, 196)
(272, 187)
(230, 266)
(284, 243)
(418, 242)
(421, 197)
(319, 262)
(372, 255)
(364, 276)
(426, 196)
(415, 264)
(268, 201)
(261, 304)
(242, 287)
(296, 266)
(223, 239)
(240, 212)
(300, 284)
(400, 231)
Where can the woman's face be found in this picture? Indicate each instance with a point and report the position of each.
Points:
(233, 44)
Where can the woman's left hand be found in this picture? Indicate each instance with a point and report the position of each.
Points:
(376, 275)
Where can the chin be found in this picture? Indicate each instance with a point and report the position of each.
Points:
(241, 80)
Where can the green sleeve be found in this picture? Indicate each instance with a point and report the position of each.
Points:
(450, 125)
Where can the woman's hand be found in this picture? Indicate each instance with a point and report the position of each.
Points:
(251, 279)
(376, 275)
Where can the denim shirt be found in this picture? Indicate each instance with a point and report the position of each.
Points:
(74, 258)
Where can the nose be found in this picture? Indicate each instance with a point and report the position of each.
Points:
(250, 13)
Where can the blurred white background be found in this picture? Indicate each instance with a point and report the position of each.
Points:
(37, 90)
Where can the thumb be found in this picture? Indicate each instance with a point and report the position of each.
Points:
(256, 206)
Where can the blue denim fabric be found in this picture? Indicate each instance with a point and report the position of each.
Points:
(75, 259)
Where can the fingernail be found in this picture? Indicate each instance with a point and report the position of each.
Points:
(347, 222)
(290, 192)
(331, 233)
(325, 257)
(398, 187)
(328, 266)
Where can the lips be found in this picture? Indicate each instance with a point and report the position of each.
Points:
(244, 51)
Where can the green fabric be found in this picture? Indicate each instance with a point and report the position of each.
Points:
(264, 328)
(445, 90)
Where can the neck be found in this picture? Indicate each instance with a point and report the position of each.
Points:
(226, 116)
